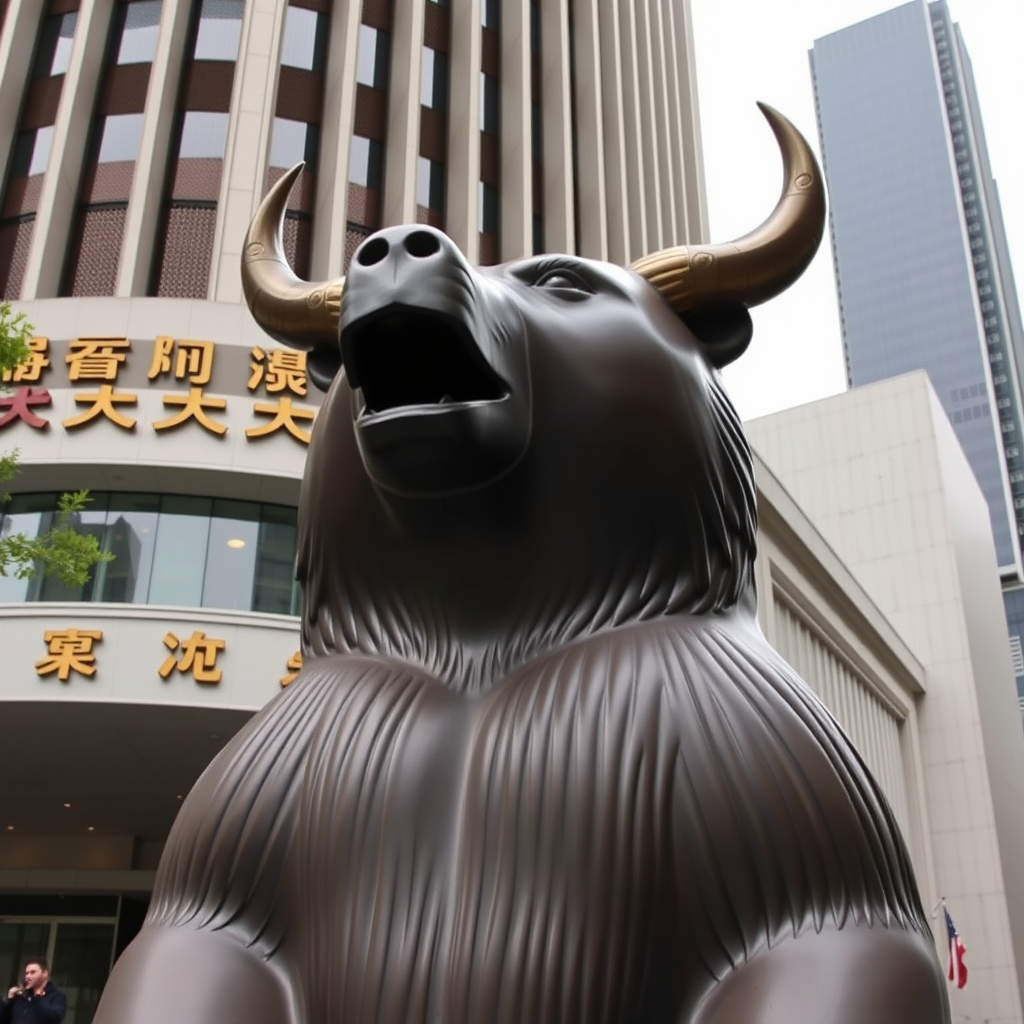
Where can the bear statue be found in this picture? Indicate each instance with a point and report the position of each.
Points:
(540, 764)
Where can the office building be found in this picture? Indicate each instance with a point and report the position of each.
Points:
(922, 269)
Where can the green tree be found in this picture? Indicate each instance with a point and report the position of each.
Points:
(62, 551)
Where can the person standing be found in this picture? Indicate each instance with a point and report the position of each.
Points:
(37, 1000)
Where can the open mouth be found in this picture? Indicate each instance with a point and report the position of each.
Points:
(405, 358)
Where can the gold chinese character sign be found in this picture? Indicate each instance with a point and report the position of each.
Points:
(70, 650)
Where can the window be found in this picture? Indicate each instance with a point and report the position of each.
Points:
(204, 135)
(220, 30)
(429, 183)
(140, 32)
(372, 58)
(434, 79)
(119, 137)
(171, 549)
(305, 39)
(32, 152)
(53, 54)
(488, 196)
(489, 104)
(365, 162)
(292, 142)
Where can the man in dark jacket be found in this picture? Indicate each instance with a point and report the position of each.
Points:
(37, 1000)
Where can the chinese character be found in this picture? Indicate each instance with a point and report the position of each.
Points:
(278, 370)
(294, 664)
(19, 406)
(96, 358)
(32, 368)
(198, 656)
(194, 362)
(285, 416)
(103, 402)
(193, 407)
(70, 651)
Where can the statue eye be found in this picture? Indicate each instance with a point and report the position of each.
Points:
(565, 279)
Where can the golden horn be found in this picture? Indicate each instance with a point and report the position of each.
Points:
(290, 310)
(764, 263)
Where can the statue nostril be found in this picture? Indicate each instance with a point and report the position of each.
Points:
(422, 243)
(372, 252)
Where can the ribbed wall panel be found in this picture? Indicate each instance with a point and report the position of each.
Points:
(871, 722)
(632, 144)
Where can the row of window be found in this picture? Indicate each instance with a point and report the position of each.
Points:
(169, 550)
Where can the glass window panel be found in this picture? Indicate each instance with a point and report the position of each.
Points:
(231, 555)
(488, 209)
(53, 54)
(81, 964)
(372, 57)
(427, 76)
(429, 183)
(490, 14)
(292, 141)
(365, 162)
(30, 514)
(179, 557)
(220, 30)
(305, 39)
(488, 104)
(18, 942)
(32, 152)
(276, 588)
(140, 32)
(204, 134)
(131, 536)
(120, 137)
(90, 522)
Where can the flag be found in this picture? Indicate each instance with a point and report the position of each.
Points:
(957, 968)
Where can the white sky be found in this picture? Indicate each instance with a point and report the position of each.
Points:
(750, 50)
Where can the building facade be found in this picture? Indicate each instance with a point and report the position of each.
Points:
(881, 474)
(922, 269)
(139, 136)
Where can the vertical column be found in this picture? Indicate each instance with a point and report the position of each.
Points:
(689, 145)
(559, 227)
(632, 137)
(403, 135)
(56, 210)
(663, 139)
(245, 161)
(648, 125)
(615, 144)
(329, 216)
(464, 128)
(20, 28)
(593, 240)
(147, 190)
(516, 157)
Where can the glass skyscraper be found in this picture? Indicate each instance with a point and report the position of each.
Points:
(922, 269)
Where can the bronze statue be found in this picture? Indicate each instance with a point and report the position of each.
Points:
(541, 765)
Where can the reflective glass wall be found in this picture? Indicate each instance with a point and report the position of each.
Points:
(170, 550)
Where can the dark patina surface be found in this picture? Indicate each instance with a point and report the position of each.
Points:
(541, 765)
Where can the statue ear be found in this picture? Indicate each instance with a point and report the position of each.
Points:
(723, 331)
(323, 364)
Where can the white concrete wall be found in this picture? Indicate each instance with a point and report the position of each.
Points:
(880, 473)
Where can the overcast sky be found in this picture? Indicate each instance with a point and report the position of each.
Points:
(750, 50)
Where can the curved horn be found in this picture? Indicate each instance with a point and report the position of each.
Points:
(764, 263)
(290, 310)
